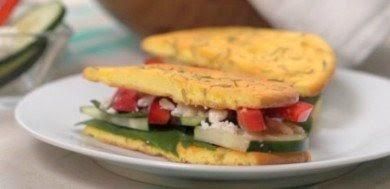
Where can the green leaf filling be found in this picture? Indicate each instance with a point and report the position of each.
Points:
(166, 139)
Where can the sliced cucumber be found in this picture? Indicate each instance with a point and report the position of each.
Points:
(187, 121)
(222, 138)
(191, 121)
(248, 143)
(93, 112)
(308, 124)
(312, 100)
(27, 48)
(140, 123)
(43, 17)
(289, 143)
(39, 19)
(18, 65)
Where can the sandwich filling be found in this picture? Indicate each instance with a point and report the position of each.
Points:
(161, 122)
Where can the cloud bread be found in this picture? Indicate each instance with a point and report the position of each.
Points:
(199, 155)
(303, 60)
(196, 86)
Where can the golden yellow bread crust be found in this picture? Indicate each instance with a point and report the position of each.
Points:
(199, 155)
(303, 60)
(196, 86)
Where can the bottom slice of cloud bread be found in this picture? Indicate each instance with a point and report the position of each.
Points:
(199, 116)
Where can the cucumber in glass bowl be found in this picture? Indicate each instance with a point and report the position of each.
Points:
(29, 42)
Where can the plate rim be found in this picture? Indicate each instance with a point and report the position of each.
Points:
(196, 168)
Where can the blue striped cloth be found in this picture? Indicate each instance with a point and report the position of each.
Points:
(98, 38)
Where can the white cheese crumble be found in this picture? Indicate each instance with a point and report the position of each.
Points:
(111, 111)
(105, 103)
(217, 115)
(182, 110)
(166, 104)
(145, 101)
(225, 125)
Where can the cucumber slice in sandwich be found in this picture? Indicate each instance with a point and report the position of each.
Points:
(240, 142)
(287, 143)
(187, 121)
(222, 138)
(28, 48)
(134, 122)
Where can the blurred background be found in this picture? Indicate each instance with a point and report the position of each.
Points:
(358, 29)
(109, 31)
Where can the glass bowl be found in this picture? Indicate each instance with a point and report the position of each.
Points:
(28, 68)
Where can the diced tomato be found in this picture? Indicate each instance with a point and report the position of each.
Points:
(251, 119)
(125, 100)
(298, 112)
(6, 8)
(158, 115)
(153, 60)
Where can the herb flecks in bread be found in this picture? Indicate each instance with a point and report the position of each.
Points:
(197, 86)
(303, 60)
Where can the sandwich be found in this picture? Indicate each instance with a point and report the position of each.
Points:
(199, 115)
(302, 60)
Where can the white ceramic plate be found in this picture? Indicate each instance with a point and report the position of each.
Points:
(354, 127)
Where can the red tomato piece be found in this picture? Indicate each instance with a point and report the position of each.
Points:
(251, 119)
(298, 112)
(153, 60)
(6, 8)
(125, 100)
(158, 115)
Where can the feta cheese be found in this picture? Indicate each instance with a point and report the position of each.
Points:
(105, 104)
(204, 124)
(182, 110)
(111, 111)
(225, 125)
(217, 115)
(166, 104)
(145, 101)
